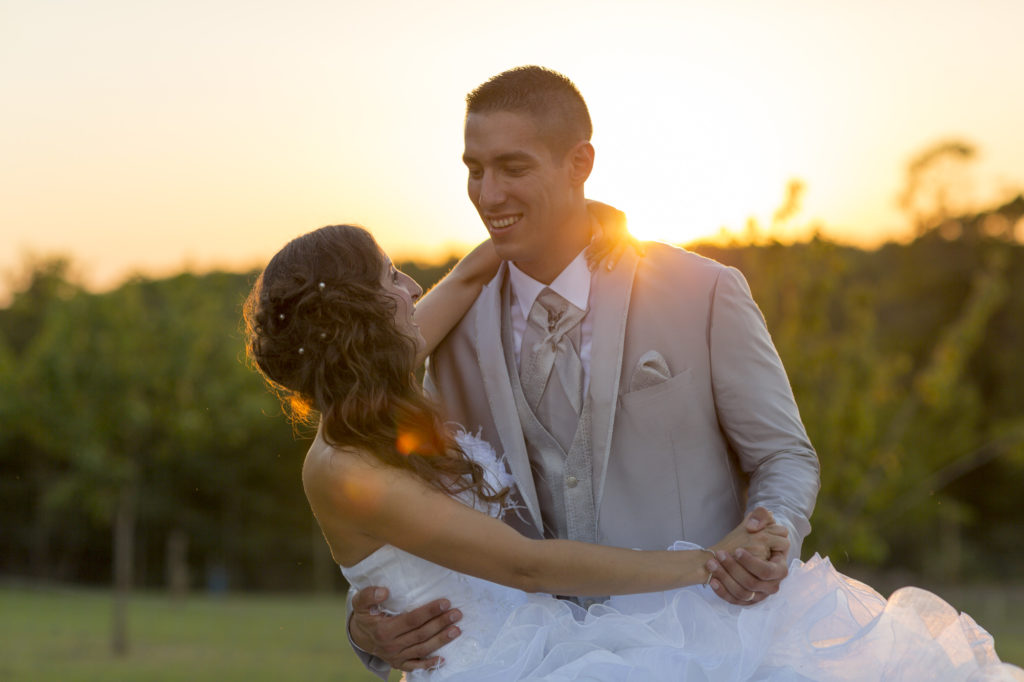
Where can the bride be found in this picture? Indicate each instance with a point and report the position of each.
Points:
(403, 502)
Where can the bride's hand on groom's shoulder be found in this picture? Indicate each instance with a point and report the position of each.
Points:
(751, 561)
(612, 237)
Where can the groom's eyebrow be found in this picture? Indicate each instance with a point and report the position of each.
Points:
(514, 156)
(507, 157)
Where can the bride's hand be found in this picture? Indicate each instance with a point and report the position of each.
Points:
(761, 544)
(611, 238)
(480, 265)
(740, 573)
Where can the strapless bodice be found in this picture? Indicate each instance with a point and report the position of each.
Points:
(413, 582)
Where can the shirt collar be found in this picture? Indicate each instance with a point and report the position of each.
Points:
(572, 284)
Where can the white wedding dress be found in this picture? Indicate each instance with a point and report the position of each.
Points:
(821, 625)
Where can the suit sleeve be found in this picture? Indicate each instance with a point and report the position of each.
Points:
(757, 411)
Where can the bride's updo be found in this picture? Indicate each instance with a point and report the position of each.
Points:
(321, 330)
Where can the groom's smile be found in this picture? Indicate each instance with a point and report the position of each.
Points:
(500, 223)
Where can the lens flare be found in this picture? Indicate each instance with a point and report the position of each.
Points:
(408, 442)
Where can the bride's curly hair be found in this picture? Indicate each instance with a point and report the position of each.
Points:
(321, 331)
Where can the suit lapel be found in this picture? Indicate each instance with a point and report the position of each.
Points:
(609, 304)
(498, 390)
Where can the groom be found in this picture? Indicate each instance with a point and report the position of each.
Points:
(636, 406)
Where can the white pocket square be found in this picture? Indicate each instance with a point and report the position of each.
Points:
(651, 369)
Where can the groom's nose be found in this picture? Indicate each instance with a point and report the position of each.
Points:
(490, 192)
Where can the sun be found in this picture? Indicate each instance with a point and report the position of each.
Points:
(693, 165)
(680, 193)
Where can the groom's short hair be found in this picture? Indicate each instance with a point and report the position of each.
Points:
(549, 97)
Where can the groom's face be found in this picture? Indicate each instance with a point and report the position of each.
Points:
(520, 189)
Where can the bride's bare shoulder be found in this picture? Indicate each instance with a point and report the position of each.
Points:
(348, 479)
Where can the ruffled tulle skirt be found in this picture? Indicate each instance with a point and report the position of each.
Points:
(821, 625)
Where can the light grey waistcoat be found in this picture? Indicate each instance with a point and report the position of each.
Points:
(565, 481)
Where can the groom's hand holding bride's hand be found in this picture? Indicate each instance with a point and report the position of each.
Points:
(750, 565)
(404, 641)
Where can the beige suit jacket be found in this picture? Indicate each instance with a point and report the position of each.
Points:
(677, 454)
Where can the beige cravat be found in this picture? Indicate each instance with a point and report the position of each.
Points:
(550, 369)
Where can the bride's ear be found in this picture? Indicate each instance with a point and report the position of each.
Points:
(581, 162)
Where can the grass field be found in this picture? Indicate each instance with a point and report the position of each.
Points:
(63, 634)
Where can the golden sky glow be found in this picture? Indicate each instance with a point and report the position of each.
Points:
(152, 135)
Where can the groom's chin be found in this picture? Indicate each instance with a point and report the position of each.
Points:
(505, 251)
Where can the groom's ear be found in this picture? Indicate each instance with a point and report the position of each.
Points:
(581, 162)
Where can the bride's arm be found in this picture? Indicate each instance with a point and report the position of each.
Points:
(441, 308)
(407, 513)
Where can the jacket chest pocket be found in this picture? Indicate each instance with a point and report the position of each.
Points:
(652, 406)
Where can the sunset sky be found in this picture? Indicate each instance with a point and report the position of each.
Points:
(150, 135)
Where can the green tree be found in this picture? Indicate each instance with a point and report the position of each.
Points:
(152, 418)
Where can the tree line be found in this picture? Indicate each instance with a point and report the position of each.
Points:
(136, 445)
